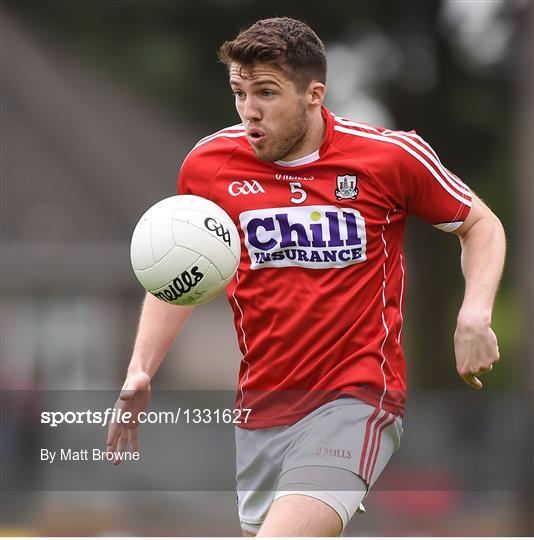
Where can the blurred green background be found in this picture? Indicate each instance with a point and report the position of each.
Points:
(101, 100)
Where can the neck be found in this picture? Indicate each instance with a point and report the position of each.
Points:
(313, 139)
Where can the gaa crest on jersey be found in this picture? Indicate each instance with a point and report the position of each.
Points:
(307, 236)
(347, 186)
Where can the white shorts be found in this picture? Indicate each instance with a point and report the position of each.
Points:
(334, 454)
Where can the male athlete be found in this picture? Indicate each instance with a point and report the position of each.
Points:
(321, 204)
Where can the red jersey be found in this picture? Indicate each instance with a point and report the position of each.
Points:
(318, 295)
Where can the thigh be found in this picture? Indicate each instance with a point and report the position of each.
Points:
(347, 434)
(301, 515)
(339, 453)
(259, 455)
(333, 456)
(341, 491)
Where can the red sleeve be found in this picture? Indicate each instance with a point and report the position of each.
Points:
(200, 167)
(193, 178)
(422, 186)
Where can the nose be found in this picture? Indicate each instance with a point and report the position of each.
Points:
(251, 110)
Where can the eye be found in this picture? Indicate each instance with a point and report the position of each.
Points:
(267, 93)
(239, 94)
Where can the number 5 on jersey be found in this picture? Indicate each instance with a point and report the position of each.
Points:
(296, 187)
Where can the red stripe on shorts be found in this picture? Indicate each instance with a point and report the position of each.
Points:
(382, 428)
(366, 440)
(373, 443)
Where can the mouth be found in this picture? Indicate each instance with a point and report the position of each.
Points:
(255, 135)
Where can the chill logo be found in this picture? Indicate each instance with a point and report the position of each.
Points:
(307, 236)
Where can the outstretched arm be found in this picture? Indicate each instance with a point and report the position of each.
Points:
(159, 325)
(483, 248)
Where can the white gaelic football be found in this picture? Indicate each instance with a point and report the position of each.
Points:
(185, 250)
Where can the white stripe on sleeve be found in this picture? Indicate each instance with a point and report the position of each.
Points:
(444, 182)
(448, 227)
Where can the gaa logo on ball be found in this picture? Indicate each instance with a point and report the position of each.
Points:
(185, 250)
(220, 230)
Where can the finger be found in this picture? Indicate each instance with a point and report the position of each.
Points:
(122, 444)
(134, 439)
(472, 381)
(114, 433)
(483, 370)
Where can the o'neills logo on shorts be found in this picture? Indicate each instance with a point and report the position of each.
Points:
(333, 452)
(308, 236)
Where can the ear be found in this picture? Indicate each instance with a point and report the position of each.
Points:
(316, 94)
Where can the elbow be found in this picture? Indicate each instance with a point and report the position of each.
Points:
(492, 221)
(488, 227)
(497, 226)
(498, 235)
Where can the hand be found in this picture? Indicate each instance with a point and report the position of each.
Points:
(134, 398)
(476, 349)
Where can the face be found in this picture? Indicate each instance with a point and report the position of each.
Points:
(273, 111)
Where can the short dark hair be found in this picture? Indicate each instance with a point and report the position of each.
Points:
(286, 43)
